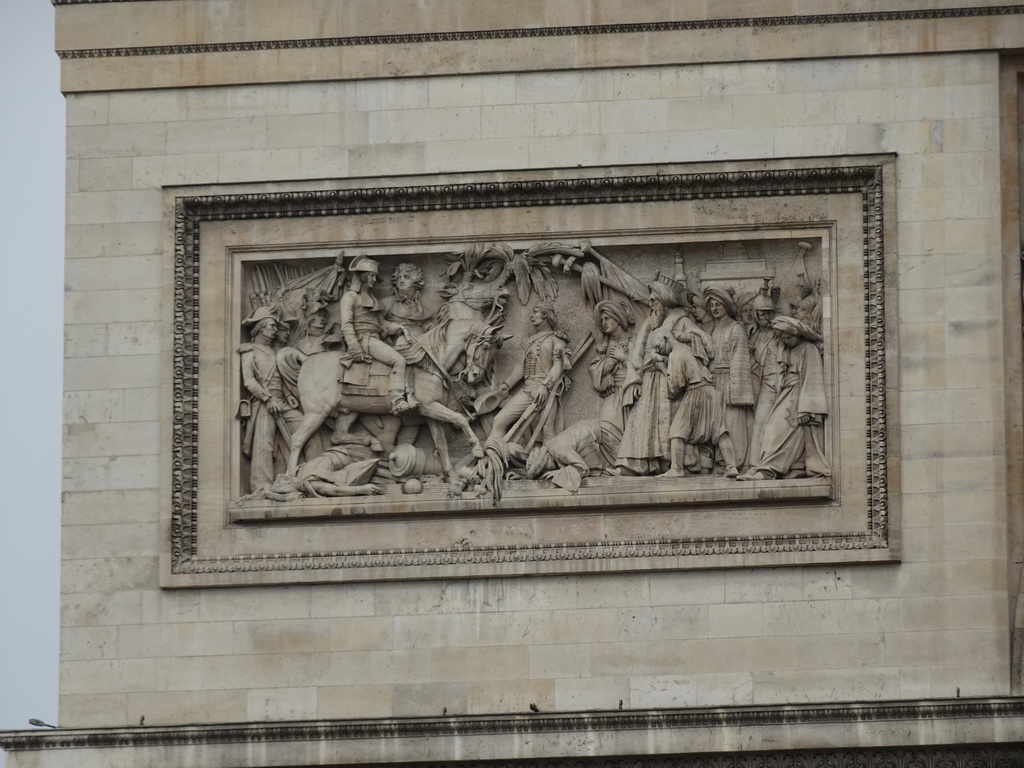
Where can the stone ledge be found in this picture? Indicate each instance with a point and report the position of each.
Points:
(460, 738)
(95, 58)
(171, 38)
(519, 498)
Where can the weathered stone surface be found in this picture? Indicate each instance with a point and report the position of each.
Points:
(413, 605)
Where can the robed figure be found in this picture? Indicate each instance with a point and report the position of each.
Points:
(645, 448)
(793, 441)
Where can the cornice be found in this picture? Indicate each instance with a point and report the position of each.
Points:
(566, 31)
(475, 725)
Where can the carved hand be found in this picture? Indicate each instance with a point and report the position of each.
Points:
(541, 396)
(275, 406)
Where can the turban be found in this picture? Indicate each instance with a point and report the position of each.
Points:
(725, 298)
(619, 311)
(668, 295)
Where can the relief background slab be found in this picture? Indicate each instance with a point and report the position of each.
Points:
(637, 217)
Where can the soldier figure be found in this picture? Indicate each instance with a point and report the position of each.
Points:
(363, 327)
(268, 416)
(544, 364)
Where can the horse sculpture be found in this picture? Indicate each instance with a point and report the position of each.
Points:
(463, 332)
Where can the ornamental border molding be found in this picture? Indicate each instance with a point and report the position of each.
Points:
(498, 34)
(477, 725)
(190, 212)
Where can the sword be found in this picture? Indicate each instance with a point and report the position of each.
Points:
(445, 376)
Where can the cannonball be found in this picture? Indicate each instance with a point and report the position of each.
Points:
(413, 485)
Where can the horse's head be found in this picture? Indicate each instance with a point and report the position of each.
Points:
(481, 348)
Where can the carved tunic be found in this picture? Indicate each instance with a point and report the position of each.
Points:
(765, 349)
(608, 373)
(545, 361)
(360, 319)
(259, 372)
(731, 372)
(261, 441)
(409, 313)
(645, 440)
(700, 416)
(362, 328)
(587, 446)
(414, 318)
(540, 357)
(731, 366)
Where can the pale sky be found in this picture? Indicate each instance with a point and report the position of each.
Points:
(31, 273)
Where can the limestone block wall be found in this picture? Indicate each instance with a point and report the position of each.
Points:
(935, 625)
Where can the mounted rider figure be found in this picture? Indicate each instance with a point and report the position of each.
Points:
(363, 327)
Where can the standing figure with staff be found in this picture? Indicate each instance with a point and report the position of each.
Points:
(542, 372)
(268, 416)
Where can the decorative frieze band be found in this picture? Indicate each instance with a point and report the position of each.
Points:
(566, 31)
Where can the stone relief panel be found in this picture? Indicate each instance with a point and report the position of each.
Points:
(517, 373)
(462, 379)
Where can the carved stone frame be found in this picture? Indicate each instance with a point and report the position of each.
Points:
(863, 185)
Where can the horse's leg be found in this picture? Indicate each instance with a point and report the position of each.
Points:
(486, 422)
(388, 430)
(405, 434)
(343, 426)
(440, 436)
(434, 410)
(319, 393)
(316, 445)
(310, 423)
(399, 434)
